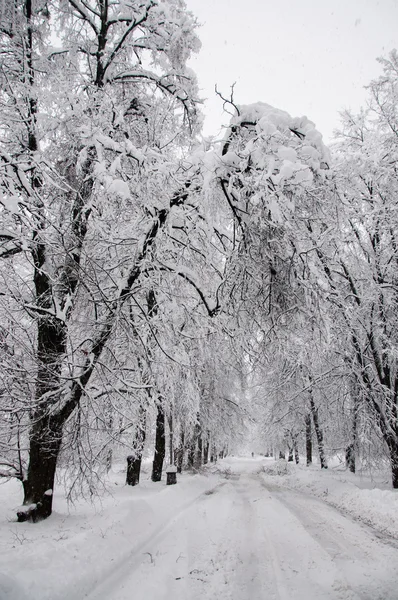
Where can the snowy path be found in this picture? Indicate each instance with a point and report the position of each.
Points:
(248, 540)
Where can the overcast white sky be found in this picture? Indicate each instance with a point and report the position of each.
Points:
(309, 57)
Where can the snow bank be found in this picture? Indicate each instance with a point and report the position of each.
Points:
(355, 495)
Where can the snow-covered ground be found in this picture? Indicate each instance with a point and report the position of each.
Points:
(247, 529)
(368, 499)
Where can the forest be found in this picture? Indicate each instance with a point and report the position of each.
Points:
(166, 294)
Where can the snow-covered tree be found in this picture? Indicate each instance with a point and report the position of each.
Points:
(361, 263)
(87, 183)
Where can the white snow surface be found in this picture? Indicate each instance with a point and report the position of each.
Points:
(244, 529)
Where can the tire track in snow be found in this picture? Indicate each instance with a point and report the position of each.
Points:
(303, 570)
(366, 566)
(244, 540)
(215, 555)
(97, 589)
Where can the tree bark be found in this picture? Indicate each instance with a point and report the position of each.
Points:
(191, 454)
(393, 451)
(171, 439)
(45, 443)
(214, 454)
(134, 460)
(295, 449)
(133, 469)
(199, 447)
(351, 448)
(318, 432)
(109, 425)
(160, 445)
(394, 467)
(46, 432)
(308, 439)
(206, 452)
(179, 454)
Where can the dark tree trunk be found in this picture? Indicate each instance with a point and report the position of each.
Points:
(133, 469)
(308, 439)
(214, 454)
(206, 452)
(351, 449)
(191, 454)
(46, 432)
(180, 452)
(108, 460)
(160, 446)
(178, 457)
(393, 449)
(296, 451)
(45, 443)
(109, 426)
(199, 447)
(171, 439)
(394, 469)
(318, 432)
(134, 460)
(350, 458)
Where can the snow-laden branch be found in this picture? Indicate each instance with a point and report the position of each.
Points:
(133, 25)
(189, 276)
(83, 14)
(166, 83)
(10, 470)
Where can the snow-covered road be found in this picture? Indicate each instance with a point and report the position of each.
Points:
(247, 539)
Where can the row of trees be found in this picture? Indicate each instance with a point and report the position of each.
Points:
(336, 361)
(144, 275)
(101, 228)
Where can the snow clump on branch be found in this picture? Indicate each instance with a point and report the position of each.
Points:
(269, 151)
(290, 148)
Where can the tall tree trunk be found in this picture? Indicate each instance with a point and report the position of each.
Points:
(308, 438)
(199, 446)
(133, 469)
(46, 432)
(45, 443)
(134, 461)
(160, 445)
(295, 448)
(191, 454)
(289, 444)
(318, 432)
(352, 447)
(109, 426)
(394, 466)
(171, 439)
(206, 451)
(392, 443)
(180, 452)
